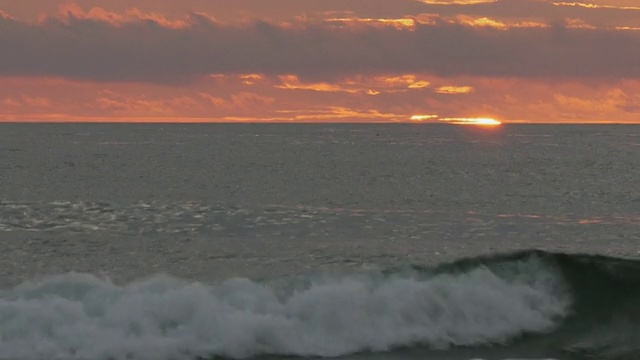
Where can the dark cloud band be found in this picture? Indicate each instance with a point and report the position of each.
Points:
(82, 48)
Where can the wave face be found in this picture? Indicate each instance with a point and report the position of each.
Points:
(558, 301)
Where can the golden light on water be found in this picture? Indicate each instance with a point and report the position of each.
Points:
(472, 121)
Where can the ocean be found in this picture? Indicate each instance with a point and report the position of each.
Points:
(284, 241)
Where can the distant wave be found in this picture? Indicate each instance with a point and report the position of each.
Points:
(578, 304)
(197, 217)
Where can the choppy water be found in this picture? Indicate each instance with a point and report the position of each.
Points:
(359, 241)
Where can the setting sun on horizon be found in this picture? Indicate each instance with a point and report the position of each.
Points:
(479, 121)
(473, 121)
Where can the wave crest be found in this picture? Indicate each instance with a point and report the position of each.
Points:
(80, 316)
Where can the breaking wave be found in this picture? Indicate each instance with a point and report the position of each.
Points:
(565, 302)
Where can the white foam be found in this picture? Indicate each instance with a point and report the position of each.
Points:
(82, 317)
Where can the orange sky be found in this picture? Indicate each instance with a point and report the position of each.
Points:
(320, 60)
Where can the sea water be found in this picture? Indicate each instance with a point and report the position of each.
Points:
(393, 241)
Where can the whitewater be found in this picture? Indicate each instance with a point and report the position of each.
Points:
(172, 242)
(80, 316)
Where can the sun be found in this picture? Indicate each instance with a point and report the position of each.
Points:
(480, 121)
(421, 118)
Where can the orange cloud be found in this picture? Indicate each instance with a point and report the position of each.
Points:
(628, 28)
(250, 79)
(11, 102)
(410, 22)
(213, 100)
(612, 101)
(402, 23)
(292, 82)
(572, 23)
(454, 89)
(595, 6)
(71, 12)
(357, 84)
(240, 102)
(4, 15)
(38, 102)
(218, 99)
(339, 113)
(480, 22)
(246, 99)
(483, 21)
(408, 81)
(457, 2)
(136, 107)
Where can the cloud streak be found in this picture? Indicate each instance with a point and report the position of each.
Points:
(100, 46)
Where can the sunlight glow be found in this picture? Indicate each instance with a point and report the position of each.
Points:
(419, 85)
(251, 79)
(404, 23)
(423, 117)
(292, 82)
(628, 28)
(456, 2)
(594, 6)
(472, 121)
(484, 21)
(452, 90)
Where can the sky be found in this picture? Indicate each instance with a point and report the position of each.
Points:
(320, 60)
